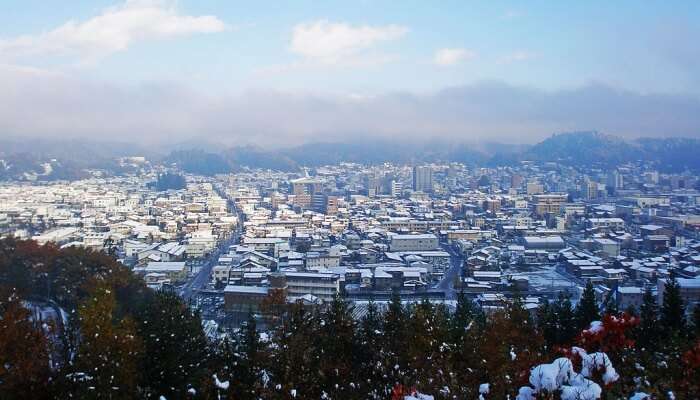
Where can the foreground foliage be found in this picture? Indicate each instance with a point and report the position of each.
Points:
(119, 340)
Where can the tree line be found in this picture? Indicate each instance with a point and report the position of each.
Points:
(121, 340)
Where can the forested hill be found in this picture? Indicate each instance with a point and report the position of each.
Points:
(579, 149)
(118, 340)
(597, 149)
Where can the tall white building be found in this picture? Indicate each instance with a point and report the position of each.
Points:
(396, 189)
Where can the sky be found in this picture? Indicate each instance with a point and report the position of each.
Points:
(280, 73)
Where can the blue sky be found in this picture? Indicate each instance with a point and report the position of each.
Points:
(219, 52)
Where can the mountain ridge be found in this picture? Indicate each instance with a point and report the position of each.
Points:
(577, 149)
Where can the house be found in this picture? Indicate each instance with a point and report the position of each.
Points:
(238, 298)
(629, 297)
(175, 271)
(421, 242)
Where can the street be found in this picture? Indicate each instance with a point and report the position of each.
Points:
(447, 281)
(201, 278)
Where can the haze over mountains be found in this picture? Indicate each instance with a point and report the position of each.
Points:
(69, 159)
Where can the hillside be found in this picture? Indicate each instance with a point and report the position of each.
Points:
(583, 148)
(596, 149)
(579, 149)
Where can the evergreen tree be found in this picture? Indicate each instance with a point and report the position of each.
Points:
(296, 359)
(24, 352)
(610, 304)
(696, 321)
(421, 349)
(514, 349)
(369, 348)
(672, 316)
(587, 308)
(337, 350)
(109, 353)
(462, 318)
(565, 321)
(648, 329)
(225, 361)
(247, 370)
(547, 323)
(394, 342)
(175, 344)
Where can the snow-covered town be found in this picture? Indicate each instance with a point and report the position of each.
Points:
(349, 200)
(241, 248)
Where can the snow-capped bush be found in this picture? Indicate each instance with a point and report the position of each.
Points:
(559, 376)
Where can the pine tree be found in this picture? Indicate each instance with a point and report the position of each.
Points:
(647, 330)
(672, 316)
(420, 352)
(175, 345)
(696, 321)
(610, 304)
(563, 314)
(547, 323)
(394, 342)
(512, 351)
(296, 359)
(108, 358)
(224, 362)
(337, 349)
(462, 318)
(248, 367)
(371, 374)
(587, 308)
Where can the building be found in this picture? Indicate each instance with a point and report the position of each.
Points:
(423, 242)
(307, 185)
(614, 181)
(174, 271)
(590, 190)
(321, 285)
(606, 223)
(548, 203)
(321, 260)
(629, 297)
(244, 299)
(543, 242)
(220, 273)
(607, 247)
(422, 178)
(534, 188)
(689, 289)
(396, 189)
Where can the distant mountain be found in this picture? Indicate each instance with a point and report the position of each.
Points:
(27, 166)
(376, 152)
(255, 157)
(597, 149)
(55, 159)
(199, 162)
(673, 154)
(82, 151)
(583, 148)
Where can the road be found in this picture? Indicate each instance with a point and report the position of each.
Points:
(447, 282)
(202, 277)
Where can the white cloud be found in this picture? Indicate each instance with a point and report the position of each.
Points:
(76, 107)
(114, 30)
(517, 56)
(331, 43)
(452, 56)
